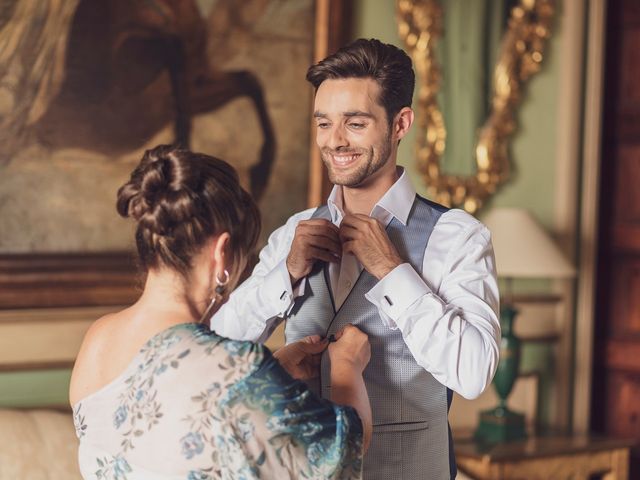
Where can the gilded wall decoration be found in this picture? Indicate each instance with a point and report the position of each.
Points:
(420, 24)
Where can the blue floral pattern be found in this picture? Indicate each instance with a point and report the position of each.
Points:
(197, 406)
(112, 468)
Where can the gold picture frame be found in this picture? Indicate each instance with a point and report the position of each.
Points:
(521, 53)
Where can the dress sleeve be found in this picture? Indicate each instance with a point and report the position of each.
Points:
(317, 438)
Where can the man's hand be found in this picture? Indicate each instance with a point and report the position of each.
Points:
(315, 239)
(366, 238)
(302, 358)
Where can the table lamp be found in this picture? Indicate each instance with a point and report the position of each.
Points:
(523, 249)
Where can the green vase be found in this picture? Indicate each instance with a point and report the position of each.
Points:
(509, 364)
(501, 424)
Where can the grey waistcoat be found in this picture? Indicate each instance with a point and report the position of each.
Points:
(411, 437)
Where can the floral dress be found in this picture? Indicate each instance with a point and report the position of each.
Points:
(193, 405)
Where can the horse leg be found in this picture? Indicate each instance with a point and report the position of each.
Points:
(180, 88)
(212, 93)
(261, 171)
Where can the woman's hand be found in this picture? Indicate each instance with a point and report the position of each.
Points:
(350, 348)
(302, 358)
(350, 354)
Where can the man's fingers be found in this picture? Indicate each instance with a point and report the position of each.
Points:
(356, 225)
(331, 244)
(347, 232)
(319, 236)
(318, 222)
(356, 220)
(314, 253)
(317, 227)
(330, 231)
(349, 247)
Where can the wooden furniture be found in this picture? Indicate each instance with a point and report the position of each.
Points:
(545, 458)
(616, 355)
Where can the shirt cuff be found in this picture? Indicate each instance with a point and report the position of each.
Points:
(278, 288)
(396, 292)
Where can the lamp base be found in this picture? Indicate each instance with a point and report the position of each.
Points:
(500, 425)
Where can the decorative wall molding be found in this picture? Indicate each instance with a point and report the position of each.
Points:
(588, 214)
(44, 339)
(333, 22)
(67, 280)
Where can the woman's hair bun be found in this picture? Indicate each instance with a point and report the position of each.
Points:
(156, 195)
(179, 199)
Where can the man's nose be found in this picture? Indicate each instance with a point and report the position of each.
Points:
(337, 138)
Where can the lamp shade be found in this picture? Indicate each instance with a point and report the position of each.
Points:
(523, 249)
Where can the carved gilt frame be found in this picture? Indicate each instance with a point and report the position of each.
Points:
(521, 53)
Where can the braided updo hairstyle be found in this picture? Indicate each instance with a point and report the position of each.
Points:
(180, 199)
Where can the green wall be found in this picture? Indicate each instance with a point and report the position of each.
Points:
(34, 389)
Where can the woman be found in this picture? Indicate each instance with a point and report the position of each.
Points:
(157, 394)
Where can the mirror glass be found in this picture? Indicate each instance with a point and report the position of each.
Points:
(468, 52)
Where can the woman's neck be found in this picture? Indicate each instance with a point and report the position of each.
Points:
(165, 292)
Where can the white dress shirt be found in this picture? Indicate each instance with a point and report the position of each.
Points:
(447, 316)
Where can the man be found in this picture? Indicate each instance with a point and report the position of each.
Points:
(418, 278)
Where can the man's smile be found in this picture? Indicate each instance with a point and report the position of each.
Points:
(342, 160)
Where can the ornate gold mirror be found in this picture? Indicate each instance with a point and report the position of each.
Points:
(518, 30)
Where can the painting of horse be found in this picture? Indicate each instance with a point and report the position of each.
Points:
(87, 85)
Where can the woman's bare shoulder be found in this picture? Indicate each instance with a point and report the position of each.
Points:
(89, 371)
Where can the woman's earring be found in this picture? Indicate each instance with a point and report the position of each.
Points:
(221, 285)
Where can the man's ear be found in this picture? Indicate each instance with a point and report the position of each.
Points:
(402, 123)
(220, 247)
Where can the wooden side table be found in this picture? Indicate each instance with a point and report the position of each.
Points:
(546, 458)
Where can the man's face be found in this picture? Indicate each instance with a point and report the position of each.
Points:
(352, 130)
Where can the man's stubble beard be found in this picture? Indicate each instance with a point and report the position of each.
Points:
(373, 163)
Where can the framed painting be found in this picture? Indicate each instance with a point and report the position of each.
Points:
(87, 85)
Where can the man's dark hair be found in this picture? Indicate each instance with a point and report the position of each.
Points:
(388, 65)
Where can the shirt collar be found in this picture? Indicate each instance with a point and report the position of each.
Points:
(396, 202)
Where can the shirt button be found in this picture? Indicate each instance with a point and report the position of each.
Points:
(348, 284)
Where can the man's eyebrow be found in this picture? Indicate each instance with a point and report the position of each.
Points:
(357, 113)
(354, 113)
